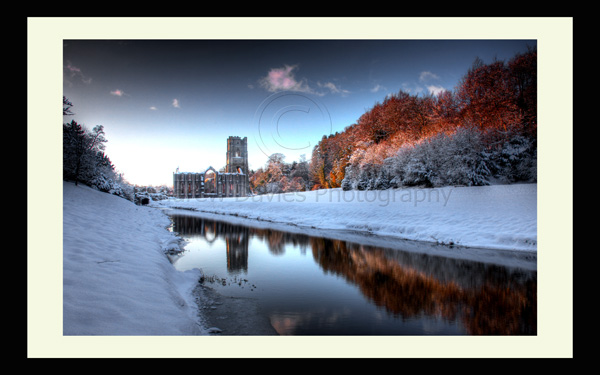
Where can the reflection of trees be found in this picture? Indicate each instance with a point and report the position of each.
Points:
(276, 240)
(493, 302)
(487, 299)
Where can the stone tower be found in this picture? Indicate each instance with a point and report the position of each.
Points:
(237, 155)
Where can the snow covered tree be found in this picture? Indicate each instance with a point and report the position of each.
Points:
(462, 159)
(347, 182)
(277, 176)
(67, 107)
(83, 154)
(300, 174)
(84, 160)
(457, 158)
(295, 184)
(515, 160)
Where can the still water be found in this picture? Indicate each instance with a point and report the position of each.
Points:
(306, 285)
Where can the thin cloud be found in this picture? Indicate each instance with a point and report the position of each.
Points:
(377, 88)
(333, 88)
(425, 79)
(153, 108)
(427, 76)
(176, 103)
(73, 73)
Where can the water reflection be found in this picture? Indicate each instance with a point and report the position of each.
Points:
(236, 237)
(480, 298)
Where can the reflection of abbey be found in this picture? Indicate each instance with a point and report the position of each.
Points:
(210, 183)
(236, 237)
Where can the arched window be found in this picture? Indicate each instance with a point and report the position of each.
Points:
(210, 181)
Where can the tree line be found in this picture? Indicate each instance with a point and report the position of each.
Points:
(278, 176)
(84, 160)
(483, 131)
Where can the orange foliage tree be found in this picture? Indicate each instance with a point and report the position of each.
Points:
(497, 99)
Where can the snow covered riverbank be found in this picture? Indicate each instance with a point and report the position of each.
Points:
(116, 277)
(495, 217)
(118, 281)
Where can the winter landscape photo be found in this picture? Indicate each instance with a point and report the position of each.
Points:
(359, 188)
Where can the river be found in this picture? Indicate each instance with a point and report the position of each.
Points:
(258, 280)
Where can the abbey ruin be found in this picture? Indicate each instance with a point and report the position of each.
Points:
(211, 183)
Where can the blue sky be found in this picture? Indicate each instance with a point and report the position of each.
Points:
(168, 104)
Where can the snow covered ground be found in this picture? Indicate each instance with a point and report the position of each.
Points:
(116, 277)
(495, 217)
(118, 281)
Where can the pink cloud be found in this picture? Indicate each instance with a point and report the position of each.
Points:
(73, 72)
(117, 92)
(279, 79)
(72, 68)
(282, 78)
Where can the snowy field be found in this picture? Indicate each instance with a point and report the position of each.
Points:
(118, 281)
(116, 277)
(495, 217)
